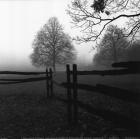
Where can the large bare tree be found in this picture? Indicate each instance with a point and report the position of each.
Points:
(52, 46)
(112, 47)
(93, 16)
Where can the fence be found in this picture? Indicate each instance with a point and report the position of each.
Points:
(48, 78)
(72, 87)
(72, 96)
(73, 103)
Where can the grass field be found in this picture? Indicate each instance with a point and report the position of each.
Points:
(26, 112)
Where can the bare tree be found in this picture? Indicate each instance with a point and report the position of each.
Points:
(93, 16)
(112, 48)
(52, 46)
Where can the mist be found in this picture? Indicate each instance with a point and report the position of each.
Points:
(22, 20)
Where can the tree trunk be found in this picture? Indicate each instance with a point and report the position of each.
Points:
(114, 50)
(115, 55)
(54, 59)
(54, 66)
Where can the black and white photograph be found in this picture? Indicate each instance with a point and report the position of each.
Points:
(69, 69)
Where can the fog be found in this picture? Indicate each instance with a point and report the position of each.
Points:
(20, 21)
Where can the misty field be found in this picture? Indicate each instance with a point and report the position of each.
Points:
(26, 112)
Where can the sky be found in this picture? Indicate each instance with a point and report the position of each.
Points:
(20, 20)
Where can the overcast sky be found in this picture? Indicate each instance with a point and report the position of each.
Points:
(20, 21)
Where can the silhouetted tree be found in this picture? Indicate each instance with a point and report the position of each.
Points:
(93, 16)
(112, 47)
(52, 46)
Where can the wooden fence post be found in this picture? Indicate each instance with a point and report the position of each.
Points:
(69, 106)
(47, 82)
(51, 82)
(75, 107)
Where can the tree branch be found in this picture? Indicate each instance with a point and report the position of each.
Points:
(91, 21)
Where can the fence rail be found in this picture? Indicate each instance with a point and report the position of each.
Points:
(108, 72)
(48, 78)
(25, 79)
(21, 73)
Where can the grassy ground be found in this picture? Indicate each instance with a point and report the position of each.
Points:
(26, 112)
